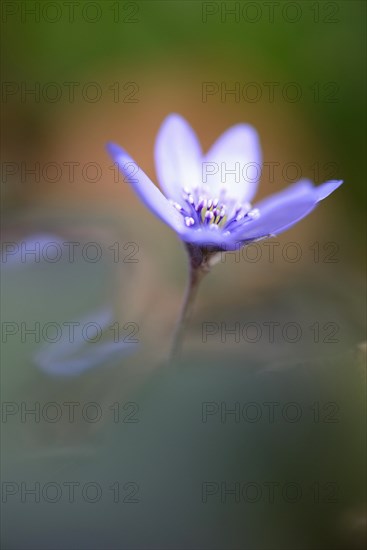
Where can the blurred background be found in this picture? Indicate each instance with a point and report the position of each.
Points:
(76, 75)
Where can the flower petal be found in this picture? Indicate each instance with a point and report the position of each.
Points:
(279, 219)
(237, 150)
(298, 189)
(324, 190)
(282, 210)
(209, 237)
(177, 157)
(149, 194)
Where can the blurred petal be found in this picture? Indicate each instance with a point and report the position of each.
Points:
(149, 194)
(238, 150)
(73, 356)
(21, 254)
(177, 157)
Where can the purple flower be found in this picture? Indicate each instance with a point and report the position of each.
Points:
(207, 197)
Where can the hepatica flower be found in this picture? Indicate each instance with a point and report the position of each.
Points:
(207, 197)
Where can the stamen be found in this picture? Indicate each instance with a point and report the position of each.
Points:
(222, 221)
(189, 221)
(254, 214)
(176, 205)
(220, 213)
(200, 205)
(208, 217)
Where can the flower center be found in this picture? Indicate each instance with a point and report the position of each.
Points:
(222, 212)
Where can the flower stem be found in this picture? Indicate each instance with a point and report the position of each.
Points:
(196, 274)
(199, 267)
